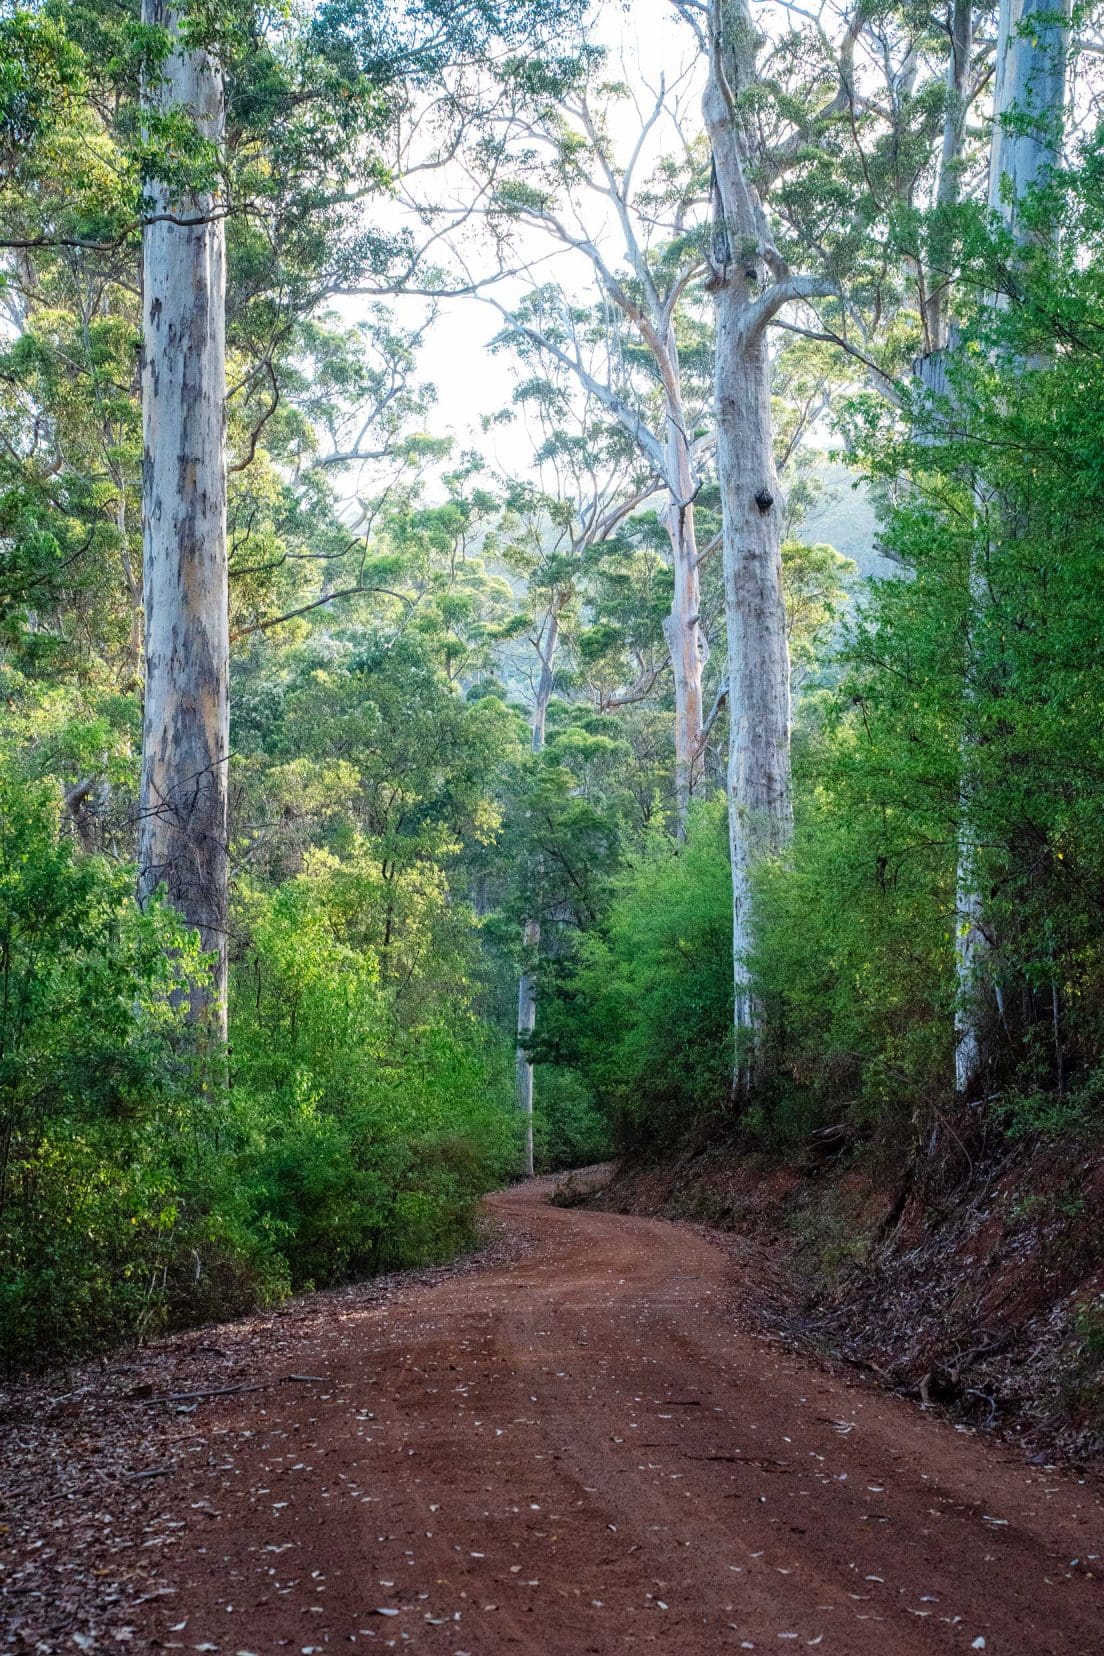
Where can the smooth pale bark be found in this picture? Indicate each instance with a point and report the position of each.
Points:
(751, 284)
(760, 810)
(1028, 109)
(971, 950)
(527, 988)
(936, 306)
(682, 627)
(185, 738)
(527, 1022)
(971, 943)
(1030, 87)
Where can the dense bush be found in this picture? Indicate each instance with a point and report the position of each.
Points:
(645, 1011)
(135, 1191)
(853, 958)
(569, 1128)
(100, 1111)
(852, 968)
(375, 1122)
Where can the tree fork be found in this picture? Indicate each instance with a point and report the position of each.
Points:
(760, 811)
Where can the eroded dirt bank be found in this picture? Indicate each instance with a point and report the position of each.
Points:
(976, 1286)
(568, 1450)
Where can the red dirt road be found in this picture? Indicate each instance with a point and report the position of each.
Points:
(580, 1452)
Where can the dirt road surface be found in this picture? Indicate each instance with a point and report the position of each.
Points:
(581, 1451)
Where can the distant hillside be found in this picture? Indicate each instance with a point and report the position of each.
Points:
(844, 517)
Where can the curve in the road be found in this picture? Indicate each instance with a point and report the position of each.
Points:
(580, 1452)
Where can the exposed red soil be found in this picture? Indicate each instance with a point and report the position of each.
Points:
(982, 1294)
(574, 1448)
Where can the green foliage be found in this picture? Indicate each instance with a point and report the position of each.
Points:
(853, 961)
(101, 1107)
(1065, 1116)
(645, 1012)
(373, 1121)
(968, 695)
(1081, 1387)
(641, 1009)
(569, 1128)
(815, 581)
(136, 1192)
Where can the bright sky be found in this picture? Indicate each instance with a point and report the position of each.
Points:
(645, 41)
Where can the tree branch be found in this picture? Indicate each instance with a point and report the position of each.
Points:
(718, 702)
(305, 609)
(762, 311)
(255, 434)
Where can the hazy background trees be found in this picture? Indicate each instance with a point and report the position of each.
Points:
(508, 705)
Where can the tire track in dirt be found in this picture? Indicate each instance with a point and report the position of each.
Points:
(578, 1452)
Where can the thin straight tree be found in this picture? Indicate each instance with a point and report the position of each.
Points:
(1029, 104)
(574, 187)
(592, 485)
(185, 738)
(547, 643)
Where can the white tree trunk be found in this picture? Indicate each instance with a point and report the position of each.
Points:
(1030, 86)
(527, 988)
(970, 951)
(527, 1022)
(185, 740)
(743, 258)
(1028, 110)
(970, 941)
(760, 811)
(682, 628)
(936, 306)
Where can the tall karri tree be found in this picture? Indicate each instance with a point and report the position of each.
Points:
(1029, 106)
(186, 720)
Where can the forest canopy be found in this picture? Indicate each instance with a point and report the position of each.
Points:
(703, 739)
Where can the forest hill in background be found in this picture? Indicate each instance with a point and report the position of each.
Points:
(379, 820)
